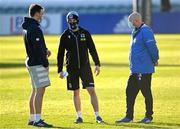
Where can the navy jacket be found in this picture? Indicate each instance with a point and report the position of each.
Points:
(34, 42)
(143, 51)
(77, 45)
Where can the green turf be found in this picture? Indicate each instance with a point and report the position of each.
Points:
(110, 86)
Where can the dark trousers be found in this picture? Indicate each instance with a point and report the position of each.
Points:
(135, 83)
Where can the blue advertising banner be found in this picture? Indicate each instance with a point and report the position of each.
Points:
(117, 23)
(166, 22)
(103, 23)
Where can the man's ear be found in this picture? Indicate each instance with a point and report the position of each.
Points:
(37, 14)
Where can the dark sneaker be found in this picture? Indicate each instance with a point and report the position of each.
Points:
(145, 120)
(124, 120)
(30, 122)
(78, 120)
(99, 119)
(41, 123)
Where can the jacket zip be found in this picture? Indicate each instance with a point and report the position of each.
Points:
(77, 49)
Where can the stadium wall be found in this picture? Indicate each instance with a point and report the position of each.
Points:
(11, 24)
(111, 23)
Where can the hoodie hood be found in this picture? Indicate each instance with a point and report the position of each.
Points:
(29, 22)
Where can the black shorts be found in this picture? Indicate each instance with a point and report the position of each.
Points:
(84, 73)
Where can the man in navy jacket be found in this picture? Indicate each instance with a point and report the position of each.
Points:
(36, 62)
(143, 57)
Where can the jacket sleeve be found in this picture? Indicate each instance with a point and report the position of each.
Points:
(60, 55)
(151, 44)
(92, 49)
(39, 45)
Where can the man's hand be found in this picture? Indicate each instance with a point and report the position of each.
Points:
(97, 70)
(61, 75)
(156, 63)
(48, 53)
(47, 68)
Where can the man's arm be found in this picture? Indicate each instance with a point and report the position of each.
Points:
(151, 44)
(60, 55)
(92, 50)
(38, 40)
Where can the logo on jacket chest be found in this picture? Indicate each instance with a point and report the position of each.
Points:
(82, 37)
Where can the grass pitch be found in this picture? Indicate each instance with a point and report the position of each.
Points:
(58, 106)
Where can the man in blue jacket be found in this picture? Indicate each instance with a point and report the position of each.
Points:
(36, 63)
(143, 57)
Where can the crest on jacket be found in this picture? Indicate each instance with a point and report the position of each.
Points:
(82, 37)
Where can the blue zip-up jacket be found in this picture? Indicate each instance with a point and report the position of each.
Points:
(34, 42)
(143, 51)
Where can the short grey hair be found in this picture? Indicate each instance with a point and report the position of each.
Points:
(135, 16)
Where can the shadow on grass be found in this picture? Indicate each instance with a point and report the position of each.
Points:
(87, 123)
(167, 124)
(11, 65)
(17, 65)
(56, 127)
(145, 126)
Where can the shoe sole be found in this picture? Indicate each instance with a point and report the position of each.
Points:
(49, 126)
(123, 122)
(144, 122)
(99, 121)
(78, 122)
